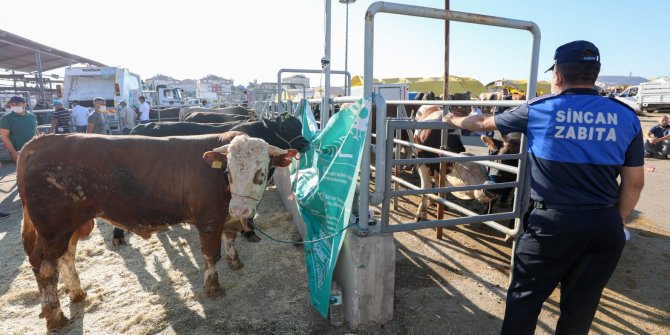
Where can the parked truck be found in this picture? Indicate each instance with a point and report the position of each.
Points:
(114, 84)
(651, 96)
(164, 96)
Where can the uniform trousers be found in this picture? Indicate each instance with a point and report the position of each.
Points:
(578, 248)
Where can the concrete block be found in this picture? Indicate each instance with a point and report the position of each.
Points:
(365, 268)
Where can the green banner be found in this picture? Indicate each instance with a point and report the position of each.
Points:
(324, 188)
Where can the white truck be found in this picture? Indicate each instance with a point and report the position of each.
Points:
(164, 96)
(114, 84)
(650, 96)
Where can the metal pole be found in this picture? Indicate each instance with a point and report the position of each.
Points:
(40, 82)
(325, 62)
(346, 49)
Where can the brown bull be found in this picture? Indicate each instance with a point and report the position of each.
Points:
(141, 184)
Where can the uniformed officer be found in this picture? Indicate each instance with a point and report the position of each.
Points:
(579, 143)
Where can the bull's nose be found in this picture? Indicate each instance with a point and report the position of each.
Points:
(303, 147)
(240, 211)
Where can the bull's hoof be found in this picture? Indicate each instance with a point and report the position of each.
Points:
(56, 321)
(234, 264)
(251, 236)
(77, 296)
(419, 219)
(213, 291)
(118, 241)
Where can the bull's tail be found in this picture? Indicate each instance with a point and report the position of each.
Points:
(28, 232)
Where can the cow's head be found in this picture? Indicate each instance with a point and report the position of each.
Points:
(470, 173)
(248, 160)
(509, 145)
(289, 129)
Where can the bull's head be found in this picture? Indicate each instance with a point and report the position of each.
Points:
(248, 160)
(289, 129)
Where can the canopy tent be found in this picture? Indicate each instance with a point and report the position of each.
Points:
(23, 55)
(518, 86)
(618, 83)
(434, 84)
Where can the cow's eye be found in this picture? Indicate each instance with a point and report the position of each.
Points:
(259, 177)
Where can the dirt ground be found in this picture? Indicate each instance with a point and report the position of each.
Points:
(456, 285)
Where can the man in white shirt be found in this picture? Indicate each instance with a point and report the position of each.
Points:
(144, 110)
(79, 116)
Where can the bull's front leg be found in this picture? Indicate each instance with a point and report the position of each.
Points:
(426, 182)
(232, 257)
(210, 244)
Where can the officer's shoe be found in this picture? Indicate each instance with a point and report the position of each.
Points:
(648, 155)
(662, 157)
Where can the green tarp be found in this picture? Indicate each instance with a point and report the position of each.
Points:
(324, 188)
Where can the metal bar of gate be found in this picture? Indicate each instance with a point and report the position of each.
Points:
(472, 217)
(394, 8)
(345, 73)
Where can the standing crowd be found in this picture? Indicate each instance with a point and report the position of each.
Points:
(19, 125)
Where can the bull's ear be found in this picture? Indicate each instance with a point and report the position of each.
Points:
(214, 159)
(284, 160)
(275, 151)
(223, 149)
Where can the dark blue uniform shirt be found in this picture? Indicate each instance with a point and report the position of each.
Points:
(577, 141)
(659, 131)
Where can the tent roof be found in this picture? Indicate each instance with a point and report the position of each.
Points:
(619, 80)
(543, 87)
(18, 53)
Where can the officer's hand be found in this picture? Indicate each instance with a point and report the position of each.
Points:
(15, 156)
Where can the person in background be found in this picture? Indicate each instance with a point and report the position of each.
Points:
(60, 121)
(97, 122)
(79, 117)
(127, 116)
(144, 110)
(206, 104)
(657, 144)
(17, 127)
(582, 189)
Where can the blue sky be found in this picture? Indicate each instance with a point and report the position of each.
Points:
(253, 39)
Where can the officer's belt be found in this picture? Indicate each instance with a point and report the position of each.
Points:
(540, 205)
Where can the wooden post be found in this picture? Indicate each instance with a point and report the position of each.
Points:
(445, 95)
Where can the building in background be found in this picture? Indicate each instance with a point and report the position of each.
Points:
(213, 87)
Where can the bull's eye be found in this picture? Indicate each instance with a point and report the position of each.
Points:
(259, 177)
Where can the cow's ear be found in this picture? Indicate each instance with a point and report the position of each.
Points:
(488, 141)
(223, 149)
(214, 159)
(284, 160)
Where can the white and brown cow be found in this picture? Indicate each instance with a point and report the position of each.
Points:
(457, 174)
(141, 184)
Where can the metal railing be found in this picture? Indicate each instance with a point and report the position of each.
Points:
(384, 145)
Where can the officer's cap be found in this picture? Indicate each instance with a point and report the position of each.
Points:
(576, 52)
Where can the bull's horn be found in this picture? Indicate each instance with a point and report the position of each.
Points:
(223, 149)
(275, 151)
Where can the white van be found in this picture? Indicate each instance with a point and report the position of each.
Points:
(652, 96)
